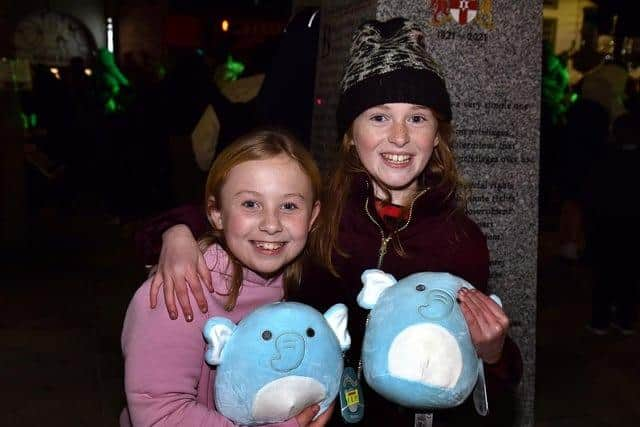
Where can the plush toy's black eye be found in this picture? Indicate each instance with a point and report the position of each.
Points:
(311, 333)
(266, 335)
(420, 288)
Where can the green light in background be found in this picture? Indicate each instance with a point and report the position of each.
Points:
(111, 79)
(574, 97)
(111, 105)
(233, 69)
(29, 121)
(25, 121)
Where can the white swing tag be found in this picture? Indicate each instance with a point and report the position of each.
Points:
(480, 400)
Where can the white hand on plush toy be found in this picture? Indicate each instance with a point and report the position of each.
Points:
(487, 322)
(418, 350)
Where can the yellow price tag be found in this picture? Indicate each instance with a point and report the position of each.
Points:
(352, 397)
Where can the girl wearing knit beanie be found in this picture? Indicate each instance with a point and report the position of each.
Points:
(395, 202)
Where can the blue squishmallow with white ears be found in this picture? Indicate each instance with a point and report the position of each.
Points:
(417, 350)
(280, 359)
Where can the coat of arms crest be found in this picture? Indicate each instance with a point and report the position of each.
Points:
(462, 11)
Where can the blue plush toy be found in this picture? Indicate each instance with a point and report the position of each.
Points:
(417, 350)
(277, 361)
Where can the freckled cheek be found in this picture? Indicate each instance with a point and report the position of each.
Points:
(369, 138)
(367, 152)
(297, 226)
(238, 224)
(424, 136)
(374, 141)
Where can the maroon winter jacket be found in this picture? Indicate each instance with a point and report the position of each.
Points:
(435, 237)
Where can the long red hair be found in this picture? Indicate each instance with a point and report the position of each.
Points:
(441, 174)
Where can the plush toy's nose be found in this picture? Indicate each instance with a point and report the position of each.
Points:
(439, 305)
(288, 353)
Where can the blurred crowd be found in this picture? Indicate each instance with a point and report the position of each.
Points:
(590, 167)
(136, 137)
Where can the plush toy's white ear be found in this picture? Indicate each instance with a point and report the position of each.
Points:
(496, 298)
(216, 332)
(375, 282)
(337, 317)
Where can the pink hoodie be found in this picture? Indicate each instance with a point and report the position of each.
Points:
(167, 381)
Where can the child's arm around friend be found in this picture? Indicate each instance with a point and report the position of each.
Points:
(262, 197)
(167, 381)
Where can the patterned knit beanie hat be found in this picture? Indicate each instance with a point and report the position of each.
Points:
(388, 62)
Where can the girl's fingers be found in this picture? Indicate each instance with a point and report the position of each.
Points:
(489, 304)
(169, 299)
(492, 312)
(496, 317)
(323, 419)
(156, 283)
(306, 415)
(204, 273)
(487, 326)
(472, 322)
(183, 298)
(196, 289)
(479, 314)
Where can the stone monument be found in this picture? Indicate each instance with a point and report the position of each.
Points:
(490, 51)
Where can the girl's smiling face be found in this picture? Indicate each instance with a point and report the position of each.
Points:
(266, 211)
(394, 143)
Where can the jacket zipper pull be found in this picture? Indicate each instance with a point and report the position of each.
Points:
(383, 250)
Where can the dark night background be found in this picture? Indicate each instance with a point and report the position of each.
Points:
(96, 159)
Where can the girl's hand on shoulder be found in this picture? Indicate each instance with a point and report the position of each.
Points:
(181, 267)
(305, 418)
(488, 324)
